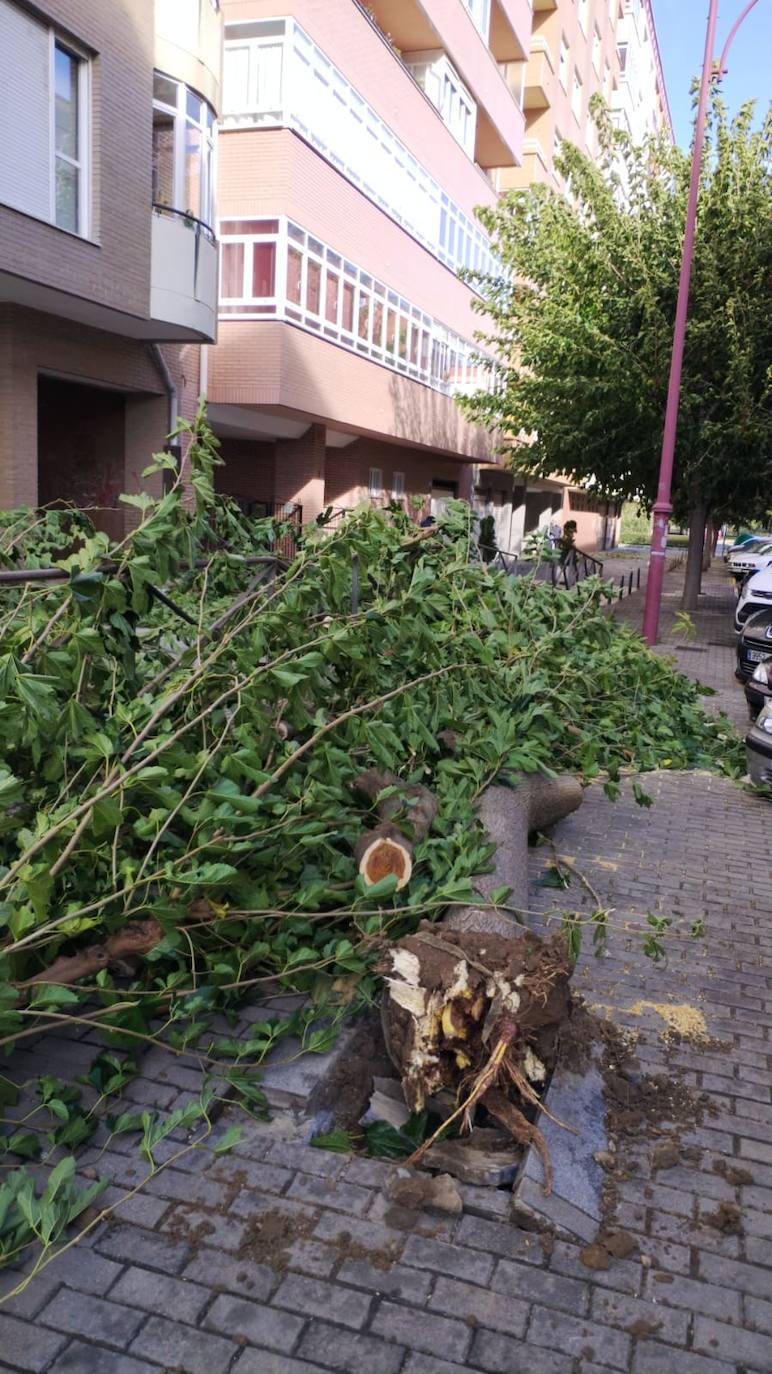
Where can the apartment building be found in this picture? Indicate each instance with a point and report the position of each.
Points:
(579, 48)
(640, 101)
(356, 142)
(108, 259)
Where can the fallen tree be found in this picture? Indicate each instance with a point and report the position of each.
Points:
(192, 764)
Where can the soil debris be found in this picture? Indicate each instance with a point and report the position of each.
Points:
(666, 1155)
(725, 1219)
(269, 1236)
(644, 1326)
(737, 1177)
(609, 1244)
(687, 1021)
(437, 1193)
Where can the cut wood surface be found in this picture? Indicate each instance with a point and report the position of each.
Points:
(387, 849)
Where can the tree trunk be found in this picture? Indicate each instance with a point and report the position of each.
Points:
(693, 580)
(708, 549)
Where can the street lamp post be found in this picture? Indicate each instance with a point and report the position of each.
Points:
(662, 506)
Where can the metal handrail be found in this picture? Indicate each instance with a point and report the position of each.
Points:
(188, 216)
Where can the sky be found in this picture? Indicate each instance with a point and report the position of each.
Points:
(681, 28)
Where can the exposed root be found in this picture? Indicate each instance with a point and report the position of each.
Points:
(522, 1130)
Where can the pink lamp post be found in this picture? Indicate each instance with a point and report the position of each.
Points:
(662, 506)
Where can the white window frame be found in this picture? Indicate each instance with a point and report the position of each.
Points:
(584, 10)
(264, 113)
(83, 160)
(442, 85)
(563, 62)
(577, 96)
(375, 483)
(480, 10)
(206, 127)
(408, 341)
(397, 485)
(597, 51)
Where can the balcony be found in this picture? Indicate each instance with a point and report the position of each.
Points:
(539, 77)
(273, 269)
(277, 76)
(458, 29)
(183, 276)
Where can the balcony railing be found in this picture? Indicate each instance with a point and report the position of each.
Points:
(276, 76)
(274, 269)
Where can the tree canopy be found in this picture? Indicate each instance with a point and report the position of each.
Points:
(581, 320)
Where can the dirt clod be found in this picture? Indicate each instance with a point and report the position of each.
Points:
(666, 1155)
(643, 1326)
(610, 1244)
(725, 1219)
(737, 1177)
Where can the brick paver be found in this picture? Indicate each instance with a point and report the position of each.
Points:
(351, 1290)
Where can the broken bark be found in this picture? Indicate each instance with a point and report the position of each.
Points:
(475, 1006)
(134, 940)
(387, 849)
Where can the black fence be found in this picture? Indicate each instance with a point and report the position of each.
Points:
(573, 567)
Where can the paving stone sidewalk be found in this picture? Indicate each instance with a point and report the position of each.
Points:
(184, 1280)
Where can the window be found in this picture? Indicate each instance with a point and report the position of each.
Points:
(323, 292)
(442, 84)
(584, 6)
(622, 55)
(576, 96)
(563, 67)
(44, 115)
(183, 150)
(607, 78)
(69, 141)
(613, 10)
(375, 482)
(556, 144)
(397, 485)
(253, 68)
(596, 47)
(480, 11)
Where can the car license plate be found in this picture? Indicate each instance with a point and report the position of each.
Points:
(756, 655)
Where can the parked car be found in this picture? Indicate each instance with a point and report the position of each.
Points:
(755, 595)
(750, 558)
(755, 643)
(743, 541)
(758, 748)
(758, 688)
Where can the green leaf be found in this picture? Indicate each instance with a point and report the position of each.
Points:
(554, 876)
(286, 677)
(338, 1141)
(51, 995)
(227, 1141)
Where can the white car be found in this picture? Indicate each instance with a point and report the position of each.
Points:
(755, 595)
(757, 556)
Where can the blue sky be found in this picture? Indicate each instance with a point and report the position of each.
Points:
(681, 31)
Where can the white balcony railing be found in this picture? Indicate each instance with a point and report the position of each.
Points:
(275, 75)
(273, 269)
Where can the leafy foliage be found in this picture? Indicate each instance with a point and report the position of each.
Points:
(197, 770)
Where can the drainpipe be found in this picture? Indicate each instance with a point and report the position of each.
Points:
(162, 368)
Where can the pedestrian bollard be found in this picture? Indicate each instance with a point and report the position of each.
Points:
(638, 579)
(630, 585)
(621, 586)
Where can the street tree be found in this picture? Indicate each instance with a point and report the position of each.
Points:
(581, 322)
